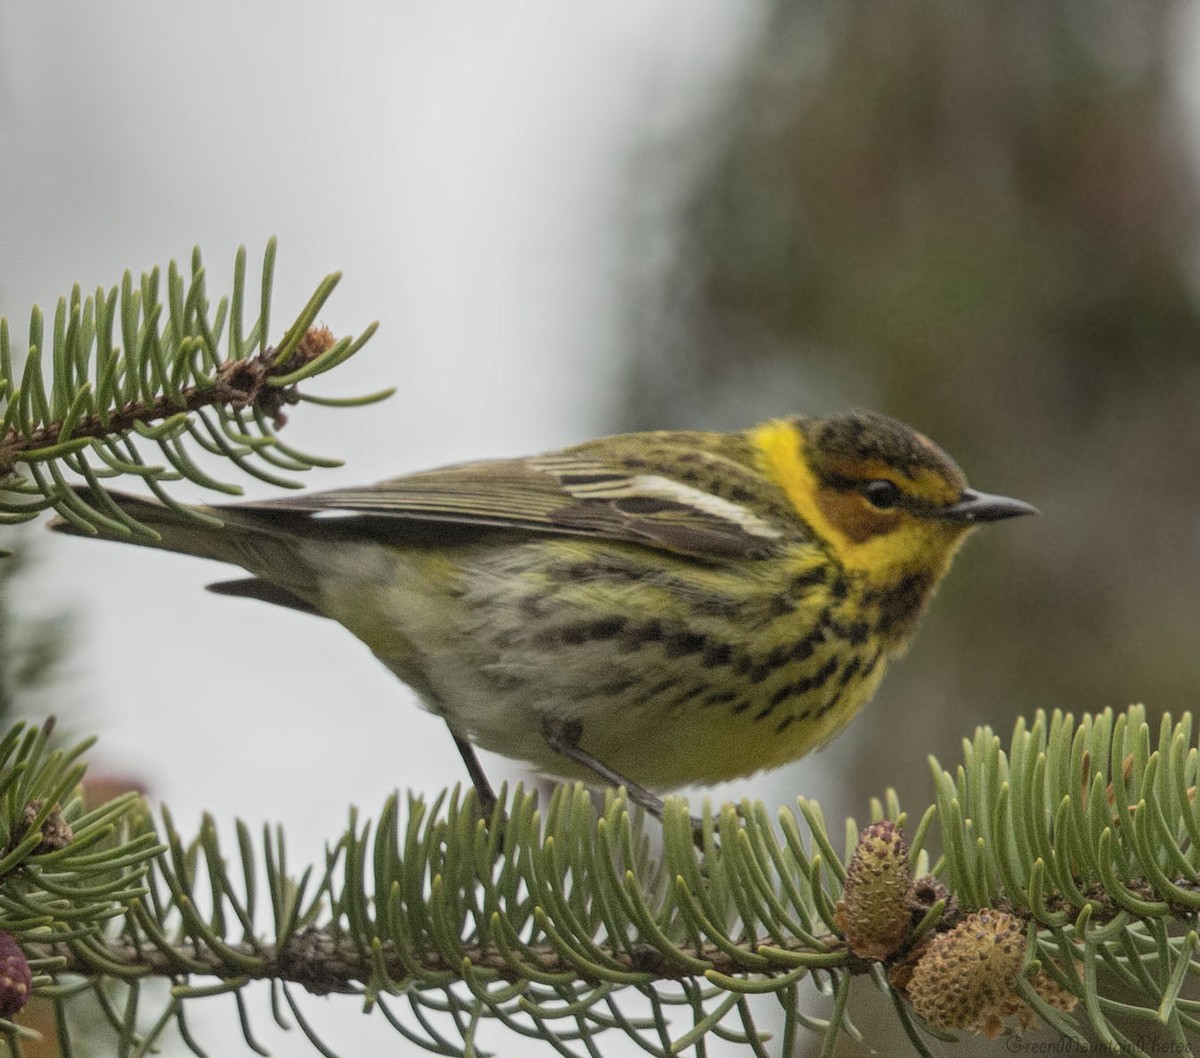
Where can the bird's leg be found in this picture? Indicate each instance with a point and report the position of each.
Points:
(563, 737)
(483, 789)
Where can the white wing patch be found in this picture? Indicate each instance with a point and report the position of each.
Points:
(657, 487)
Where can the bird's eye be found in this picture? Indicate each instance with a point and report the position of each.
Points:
(882, 494)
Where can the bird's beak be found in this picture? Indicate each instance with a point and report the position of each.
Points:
(975, 506)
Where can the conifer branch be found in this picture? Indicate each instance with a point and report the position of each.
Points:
(529, 915)
(125, 369)
(238, 383)
(325, 963)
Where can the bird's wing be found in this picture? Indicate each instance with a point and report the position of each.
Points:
(566, 493)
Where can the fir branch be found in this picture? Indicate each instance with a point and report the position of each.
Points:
(323, 962)
(237, 383)
(542, 918)
(184, 371)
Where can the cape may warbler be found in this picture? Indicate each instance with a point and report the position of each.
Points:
(653, 608)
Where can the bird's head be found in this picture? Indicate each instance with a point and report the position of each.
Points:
(884, 498)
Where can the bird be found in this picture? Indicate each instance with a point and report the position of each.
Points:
(647, 610)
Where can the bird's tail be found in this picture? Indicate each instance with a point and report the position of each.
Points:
(216, 534)
(266, 545)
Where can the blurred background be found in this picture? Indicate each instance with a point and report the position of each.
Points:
(574, 220)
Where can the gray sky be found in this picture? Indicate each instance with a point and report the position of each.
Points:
(472, 169)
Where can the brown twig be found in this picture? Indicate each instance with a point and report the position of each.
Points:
(323, 963)
(237, 383)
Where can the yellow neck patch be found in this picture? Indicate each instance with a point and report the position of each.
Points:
(899, 541)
